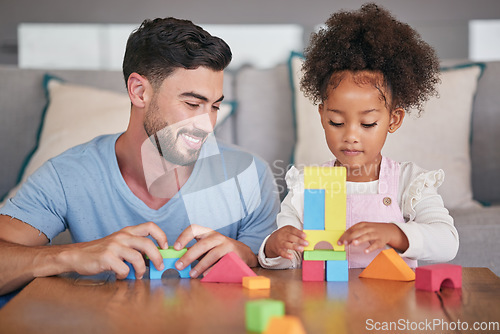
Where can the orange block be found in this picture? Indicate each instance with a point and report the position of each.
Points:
(287, 324)
(256, 282)
(388, 265)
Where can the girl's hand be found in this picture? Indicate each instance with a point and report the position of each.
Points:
(284, 239)
(378, 235)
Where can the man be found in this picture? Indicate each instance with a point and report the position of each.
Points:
(164, 181)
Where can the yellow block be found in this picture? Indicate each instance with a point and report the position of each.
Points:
(330, 236)
(332, 180)
(256, 282)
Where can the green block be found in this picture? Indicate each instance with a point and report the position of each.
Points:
(171, 253)
(324, 255)
(259, 312)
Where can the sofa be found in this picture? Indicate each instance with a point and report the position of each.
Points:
(265, 113)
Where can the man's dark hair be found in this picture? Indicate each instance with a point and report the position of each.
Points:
(371, 39)
(160, 46)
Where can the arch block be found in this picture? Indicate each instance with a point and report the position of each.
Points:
(432, 277)
(330, 236)
(169, 264)
(170, 256)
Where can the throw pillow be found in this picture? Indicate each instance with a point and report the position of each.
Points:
(438, 139)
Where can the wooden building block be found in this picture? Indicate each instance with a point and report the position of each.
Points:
(432, 277)
(389, 265)
(131, 273)
(230, 269)
(287, 324)
(325, 255)
(330, 236)
(313, 271)
(335, 207)
(337, 271)
(333, 181)
(314, 209)
(256, 282)
(171, 253)
(259, 312)
(169, 264)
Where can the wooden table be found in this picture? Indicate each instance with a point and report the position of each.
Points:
(72, 304)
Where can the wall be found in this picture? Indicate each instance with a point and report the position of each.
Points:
(442, 23)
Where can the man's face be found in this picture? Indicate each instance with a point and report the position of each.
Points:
(182, 113)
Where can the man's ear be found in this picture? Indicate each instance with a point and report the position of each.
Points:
(136, 86)
(397, 116)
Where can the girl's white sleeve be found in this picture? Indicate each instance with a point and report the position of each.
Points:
(429, 227)
(291, 213)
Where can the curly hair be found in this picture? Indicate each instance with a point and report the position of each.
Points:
(371, 39)
(160, 46)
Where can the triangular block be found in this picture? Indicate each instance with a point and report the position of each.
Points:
(230, 269)
(389, 265)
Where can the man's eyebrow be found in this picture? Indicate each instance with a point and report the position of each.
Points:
(200, 97)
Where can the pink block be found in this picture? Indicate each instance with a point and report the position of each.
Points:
(230, 269)
(432, 277)
(313, 271)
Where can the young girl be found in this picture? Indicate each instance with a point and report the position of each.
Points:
(365, 69)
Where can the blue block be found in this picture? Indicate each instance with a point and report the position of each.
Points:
(337, 271)
(131, 273)
(169, 264)
(314, 209)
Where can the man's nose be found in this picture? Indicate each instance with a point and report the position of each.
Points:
(204, 122)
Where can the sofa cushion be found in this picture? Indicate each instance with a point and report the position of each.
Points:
(439, 139)
(264, 117)
(479, 232)
(485, 146)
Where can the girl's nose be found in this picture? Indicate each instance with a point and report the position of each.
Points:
(351, 135)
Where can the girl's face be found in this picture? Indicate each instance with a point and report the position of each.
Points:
(356, 121)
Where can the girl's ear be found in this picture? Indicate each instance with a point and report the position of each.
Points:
(397, 116)
(321, 111)
(136, 86)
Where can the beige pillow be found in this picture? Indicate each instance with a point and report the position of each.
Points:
(439, 139)
(75, 114)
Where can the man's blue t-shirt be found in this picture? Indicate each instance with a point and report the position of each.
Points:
(230, 191)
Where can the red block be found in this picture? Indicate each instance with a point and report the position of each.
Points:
(313, 271)
(432, 277)
(230, 269)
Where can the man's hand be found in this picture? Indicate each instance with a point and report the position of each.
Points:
(378, 235)
(209, 248)
(109, 253)
(285, 239)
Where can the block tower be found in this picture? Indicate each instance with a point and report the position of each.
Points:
(324, 223)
